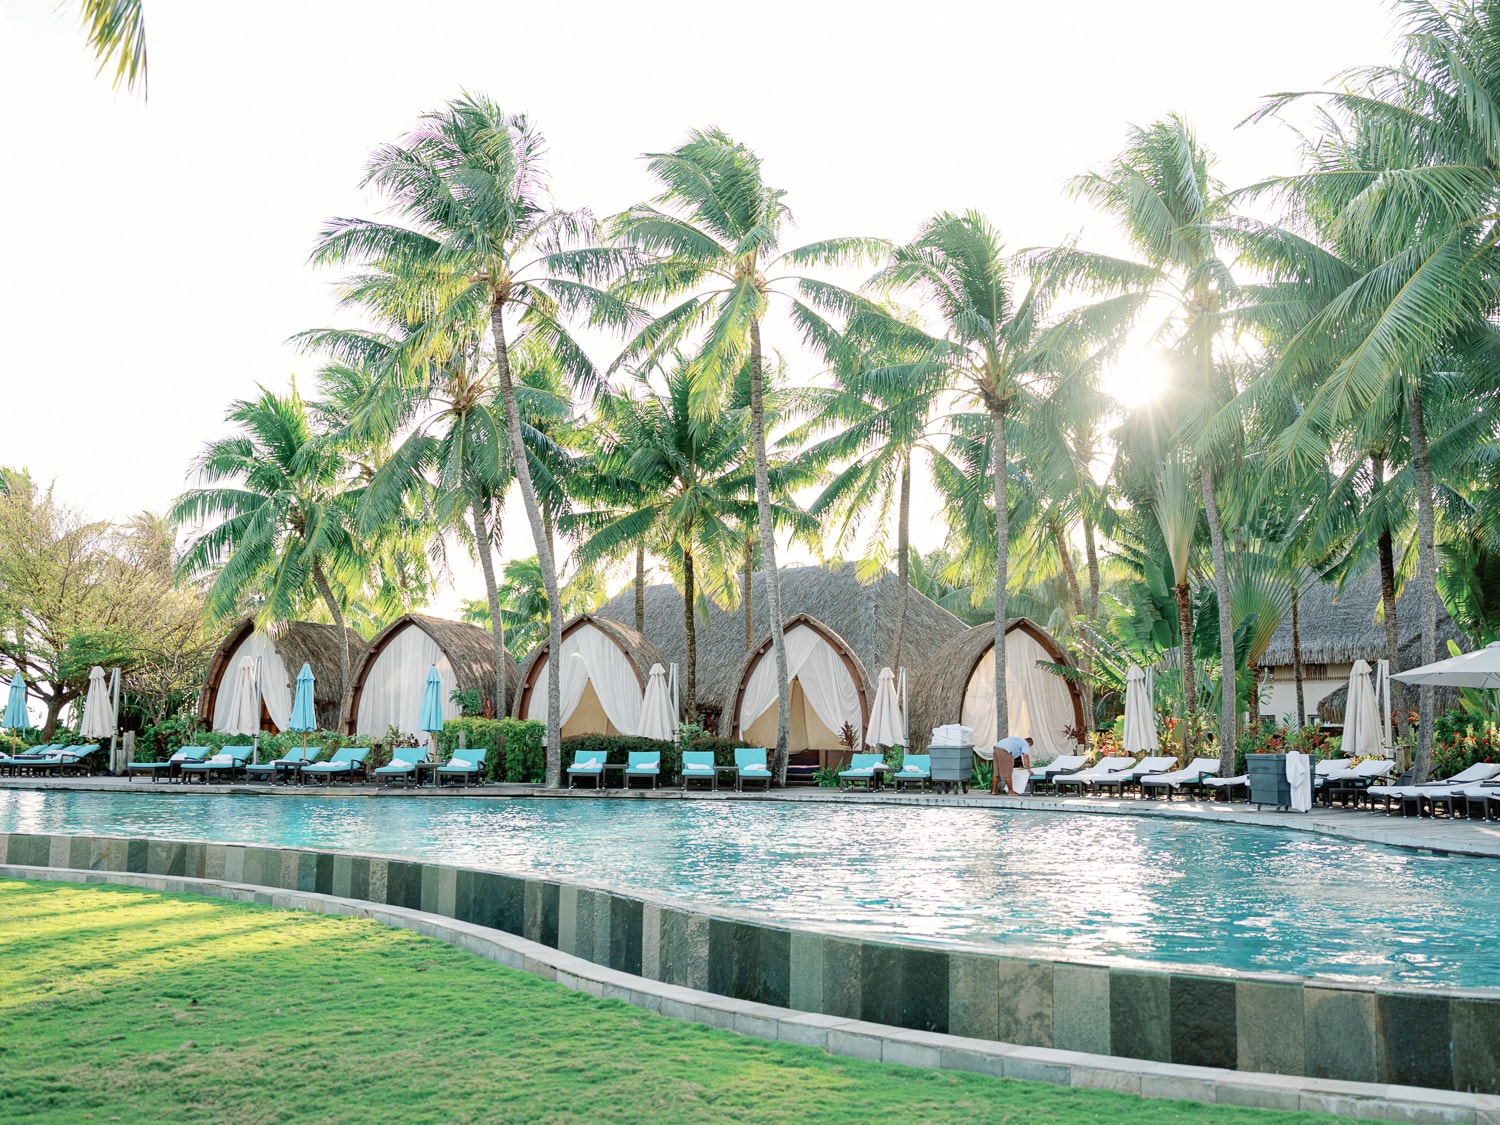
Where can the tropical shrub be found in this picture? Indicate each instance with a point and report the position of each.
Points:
(825, 778)
(524, 750)
(1459, 742)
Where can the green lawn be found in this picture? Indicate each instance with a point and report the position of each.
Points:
(125, 1005)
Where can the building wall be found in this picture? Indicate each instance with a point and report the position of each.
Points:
(1279, 698)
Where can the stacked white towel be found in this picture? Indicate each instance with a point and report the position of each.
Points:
(953, 734)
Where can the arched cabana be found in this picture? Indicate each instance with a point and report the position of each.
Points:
(958, 686)
(281, 651)
(390, 680)
(604, 673)
(829, 687)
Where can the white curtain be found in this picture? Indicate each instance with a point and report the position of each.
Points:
(826, 684)
(1040, 705)
(591, 657)
(393, 687)
(275, 688)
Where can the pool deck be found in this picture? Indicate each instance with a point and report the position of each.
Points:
(1460, 837)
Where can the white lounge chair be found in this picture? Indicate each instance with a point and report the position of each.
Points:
(1047, 772)
(1194, 773)
(1103, 769)
(1417, 794)
(1160, 763)
(1227, 786)
(1352, 780)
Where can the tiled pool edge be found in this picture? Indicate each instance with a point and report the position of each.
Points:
(1438, 1039)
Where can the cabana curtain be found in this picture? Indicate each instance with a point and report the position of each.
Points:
(275, 687)
(1039, 704)
(589, 656)
(826, 684)
(393, 687)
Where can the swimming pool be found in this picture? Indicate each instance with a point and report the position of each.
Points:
(1058, 885)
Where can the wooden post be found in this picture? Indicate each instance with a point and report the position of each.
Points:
(125, 755)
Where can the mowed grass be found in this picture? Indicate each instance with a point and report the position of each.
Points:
(124, 1005)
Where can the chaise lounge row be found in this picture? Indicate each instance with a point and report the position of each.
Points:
(56, 758)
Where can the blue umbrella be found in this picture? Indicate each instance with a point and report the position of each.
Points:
(432, 705)
(303, 718)
(15, 706)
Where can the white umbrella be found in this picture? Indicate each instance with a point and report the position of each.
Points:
(244, 711)
(887, 726)
(1477, 669)
(98, 714)
(656, 707)
(1140, 714)
(1362, 735)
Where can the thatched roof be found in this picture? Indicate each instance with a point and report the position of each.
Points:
(762, 651)
(937, 697)
(640, 652)
(1331, 706)
(1342, 629)
(863, 615)
(469, 649)
(298, 643)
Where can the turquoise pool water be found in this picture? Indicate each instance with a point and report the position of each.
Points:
(1056, 884)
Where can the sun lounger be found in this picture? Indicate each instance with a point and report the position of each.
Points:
(1104, 768)
(862, 767)
(1144, 768)
(916, 769)
(57, 758)
(1416, 796)
(403, 765)
(14, 763)
(750, 765)
(1226, 786)
(698, 765)
(1189, 776)
(347, 762)
(1484, 797)
(1352, 780)
(643, 763)
(169, 769)
(1046, 773)
(586, 763)
(284, 767)
(221, 767)
(467, 762)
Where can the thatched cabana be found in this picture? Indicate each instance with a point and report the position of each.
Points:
(957, 686)
(389, 681)
(1331, 706)
(862, 614)
(604, 673)
(281, 650)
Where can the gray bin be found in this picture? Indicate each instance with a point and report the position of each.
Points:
(952, 765)
(1268, 783)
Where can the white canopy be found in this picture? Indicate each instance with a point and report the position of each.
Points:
(1477, 669)
(98, 713)
(887, 727)
(590, 657)
(827, 686)
(1361, 716)
(657, 718)
(241, 703)
(275, 687)
(1140, 714)
(391, 695)
(1040, 705)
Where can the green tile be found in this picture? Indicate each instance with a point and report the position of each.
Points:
(1476, 1045)
(1024, 1002)
(1140, 1015)
(806, 972)
(774, 967)
(974, 996)
(1080, 1009)
(625, 921)
(881, 983)
(1203, 1021)
(843, 978)
(1416, 1035)
(1339, 1034)
(1269, 1027)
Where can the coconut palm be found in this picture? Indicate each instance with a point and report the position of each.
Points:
(712, 243)
(1176, 510)
(117, 33)
(481, 249)
(276, 495)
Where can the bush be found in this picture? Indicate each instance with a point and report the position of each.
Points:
(524, 750)
(1459, 742)
(478, 732)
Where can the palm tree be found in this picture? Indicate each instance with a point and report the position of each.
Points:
(117, 33)
(714, 237)
(484, 249)
(1176, 512)
(276, 494)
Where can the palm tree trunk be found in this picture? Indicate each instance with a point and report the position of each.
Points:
(1091, 552)
(1386, 550)
(320, 580)
(1426, 576)
(640, 587)
(690, 628)
(1002, 548)
(747, 592)
(1189, 671)
(1297, 657)
(1228, 695)
(768, 555)
(482, 547)
(543, 548)
(1070, 572)
(903, 564)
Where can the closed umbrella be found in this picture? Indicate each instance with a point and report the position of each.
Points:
(1361, 716)
(303, 716)
(98, 713)
(431, 719)
(1140, 714)
(657, 719)
(1477, 669)
(887, 726)
(244, 708)
(15, 708)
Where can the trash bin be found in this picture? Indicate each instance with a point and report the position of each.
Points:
(951, 765)
(1268, 782)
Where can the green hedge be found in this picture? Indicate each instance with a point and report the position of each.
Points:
(525, 750)
(513, 747)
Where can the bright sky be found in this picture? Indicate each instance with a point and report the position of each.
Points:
(156, 250)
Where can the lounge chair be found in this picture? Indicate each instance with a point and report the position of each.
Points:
(698, 765)
(402, 766)
(643, 763)
(169, 769)
(916, 769)
(1103, 769)
(1144, 768)
(347, 762)
(1046, 773)
(1227, 786)
(286, 766)
(586, 763)
(1418, 796)
(750, 765)
(862, 768)
(1351, 781)
(1190, 776)
(467, 763)
(1485, 797)
(221, 767)
(73, 759)
(17, 762)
